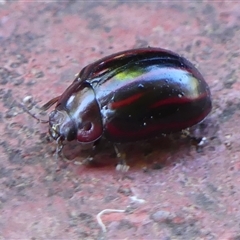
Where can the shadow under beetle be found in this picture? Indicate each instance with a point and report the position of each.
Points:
(130, 96)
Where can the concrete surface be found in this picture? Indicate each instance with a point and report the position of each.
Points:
(171, 191)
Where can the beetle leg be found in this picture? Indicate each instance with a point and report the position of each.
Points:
(59, 146)
(95, 147)
(59, 152)
(122, 165)
(198, 141)
(64, 161)
(93, 152)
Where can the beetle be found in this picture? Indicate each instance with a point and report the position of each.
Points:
(129, 96)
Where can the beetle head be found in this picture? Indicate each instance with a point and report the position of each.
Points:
(61, 126)
(76, 117)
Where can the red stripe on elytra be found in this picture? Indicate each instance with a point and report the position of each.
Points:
(153, 129)
(175, 100)
(126, 101)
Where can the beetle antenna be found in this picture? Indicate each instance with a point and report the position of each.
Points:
(31, 114)
(45, 107)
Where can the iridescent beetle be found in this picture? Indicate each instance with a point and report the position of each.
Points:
(130, 96)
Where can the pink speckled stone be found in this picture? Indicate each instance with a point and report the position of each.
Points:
(171, 191)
